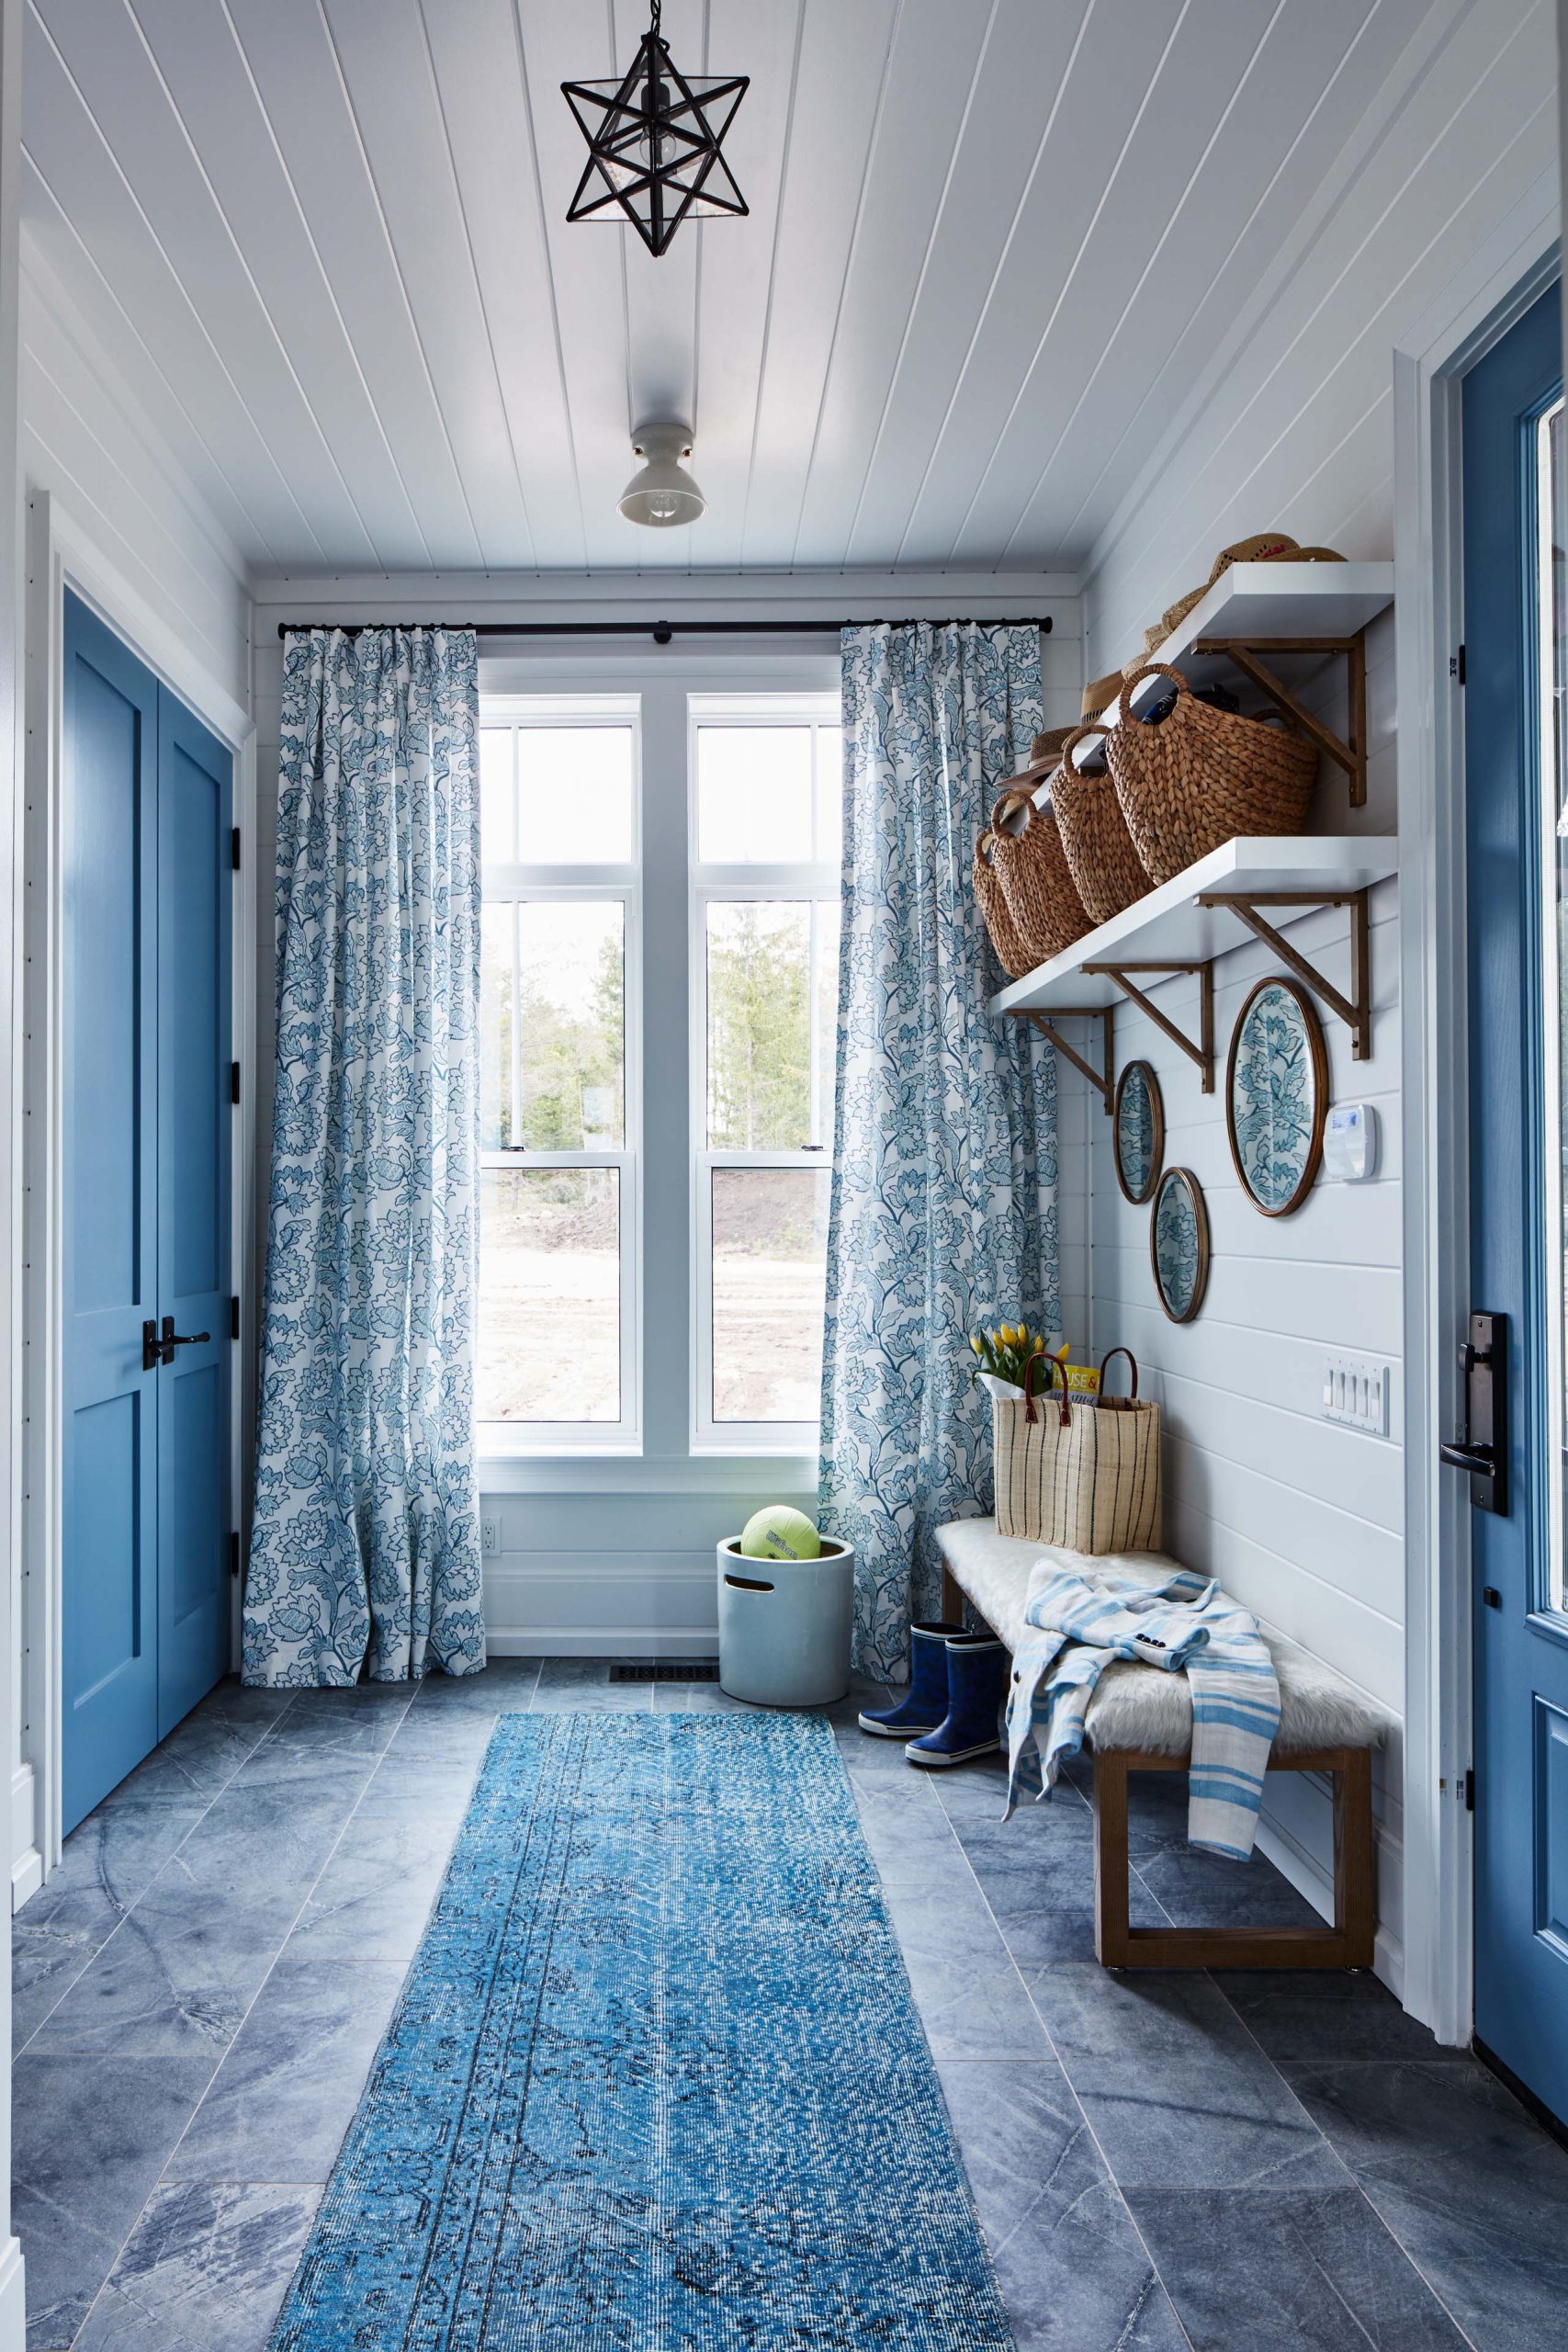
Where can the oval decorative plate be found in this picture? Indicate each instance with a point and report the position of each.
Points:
(1277, 1096)
(1178, 1244)
(1140, 1131)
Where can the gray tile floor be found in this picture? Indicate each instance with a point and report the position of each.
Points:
(1219, 2163)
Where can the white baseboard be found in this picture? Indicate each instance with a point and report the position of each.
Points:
(26, 1877)
(24, 1811)
(1292, 1861)
(13, 2299)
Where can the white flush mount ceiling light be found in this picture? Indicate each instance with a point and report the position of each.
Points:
(661, 492)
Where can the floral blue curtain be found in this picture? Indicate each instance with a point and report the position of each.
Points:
(944, 1180)
(365, 1546)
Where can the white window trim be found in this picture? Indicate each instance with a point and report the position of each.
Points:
(803, 882)
(500, 1443)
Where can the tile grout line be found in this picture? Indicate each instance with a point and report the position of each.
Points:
(162, 2180)
(1072, 2092)
(1432, 2289)
(1353, 2179)
(168, 1859)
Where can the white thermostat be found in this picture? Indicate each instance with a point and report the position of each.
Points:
(1350, 1143)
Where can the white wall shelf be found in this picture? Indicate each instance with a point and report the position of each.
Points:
(1263, 603)
(1184, 924)
(1258, 614)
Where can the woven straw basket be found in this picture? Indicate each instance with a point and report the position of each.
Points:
(1045, 910)
(1106, 868)
(1082, 1474)
(1011, 953)
(1200, 777)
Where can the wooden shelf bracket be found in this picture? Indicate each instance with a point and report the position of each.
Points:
(1355, 1010)
(1103, 1081)
(1202, 1053)
(1348, 753)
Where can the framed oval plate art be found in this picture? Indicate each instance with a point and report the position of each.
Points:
(1277, 1096)
(1140, 1131)
(1178, 1244)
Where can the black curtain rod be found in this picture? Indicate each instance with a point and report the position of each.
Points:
(660, 631)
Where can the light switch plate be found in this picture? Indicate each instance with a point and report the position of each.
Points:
(1355, 1392)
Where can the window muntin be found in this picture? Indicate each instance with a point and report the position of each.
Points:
(556, 1367)
(766, 799)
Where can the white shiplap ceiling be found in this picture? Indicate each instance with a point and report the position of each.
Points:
(992, 245)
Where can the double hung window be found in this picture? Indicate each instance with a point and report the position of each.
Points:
(559, 1114)
(600, 858)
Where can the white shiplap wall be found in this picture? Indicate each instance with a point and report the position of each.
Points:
(1303, 1519)
(87, 441)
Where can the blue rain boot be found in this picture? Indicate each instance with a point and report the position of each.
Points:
(976, 1678)
(924, 1704)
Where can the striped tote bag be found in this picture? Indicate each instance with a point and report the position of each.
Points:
(1081, 1472)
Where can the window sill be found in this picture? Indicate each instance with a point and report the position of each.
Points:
(623, 1471)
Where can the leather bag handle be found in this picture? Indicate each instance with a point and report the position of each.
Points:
(1052, 1368)
(1132, 1397)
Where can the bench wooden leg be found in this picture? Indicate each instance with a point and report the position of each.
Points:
(1355, 1860)
(1111, 1860)
(952, 1598)
(1346, 1944)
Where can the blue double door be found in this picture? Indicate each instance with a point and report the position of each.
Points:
(1516, 723)
(146, 873)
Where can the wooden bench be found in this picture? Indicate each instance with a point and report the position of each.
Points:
(1325, 1725)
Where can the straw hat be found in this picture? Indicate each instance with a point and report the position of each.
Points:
(1265, 546)
(1100, 693)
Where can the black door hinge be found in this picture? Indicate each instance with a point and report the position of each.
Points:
(1490, 1596)
(234, 1082)
(234, 1318)
(1456, 666)
(235, 1553)
(1470, 1788)
(234, 848)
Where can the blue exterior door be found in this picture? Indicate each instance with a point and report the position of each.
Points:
(146, 1118)
(1517, 828)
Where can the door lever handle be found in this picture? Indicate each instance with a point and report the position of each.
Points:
(1478, 1459)
(160, 1349)
(1481, 1447)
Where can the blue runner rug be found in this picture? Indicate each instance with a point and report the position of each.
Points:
(655, 2082)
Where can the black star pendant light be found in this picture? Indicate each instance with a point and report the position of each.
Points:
(653, 145)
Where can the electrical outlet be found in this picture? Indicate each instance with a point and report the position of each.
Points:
(1355, 1392)
(489, 1535)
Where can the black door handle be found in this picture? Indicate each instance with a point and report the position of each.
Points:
(1480, 1449)
(156, 1349)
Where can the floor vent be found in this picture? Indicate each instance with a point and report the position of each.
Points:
(665, 1669)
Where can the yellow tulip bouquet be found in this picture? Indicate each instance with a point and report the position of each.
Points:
(1004, 1353)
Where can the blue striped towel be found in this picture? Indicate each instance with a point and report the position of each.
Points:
(1186, 1625)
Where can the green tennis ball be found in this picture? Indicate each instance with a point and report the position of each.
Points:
(778, 1532)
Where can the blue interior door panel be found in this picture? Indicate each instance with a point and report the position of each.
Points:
(194, 1120)
(1520, 1638)
(145, 1119)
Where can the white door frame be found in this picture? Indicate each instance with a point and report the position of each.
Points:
(61, 555)
(1475, 310)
